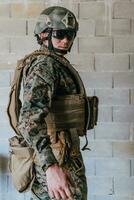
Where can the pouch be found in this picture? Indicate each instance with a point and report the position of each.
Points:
(21, 164)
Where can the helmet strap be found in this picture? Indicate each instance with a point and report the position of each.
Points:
(70, 47)
(71, 44)
(50, 45)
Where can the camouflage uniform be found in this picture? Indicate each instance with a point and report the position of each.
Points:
(46, 78)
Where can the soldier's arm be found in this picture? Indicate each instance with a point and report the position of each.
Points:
(38, 91)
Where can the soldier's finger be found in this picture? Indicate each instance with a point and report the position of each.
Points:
(71, 198)
(57, 195)
(63, 194)
(68, 193)
(51, 194)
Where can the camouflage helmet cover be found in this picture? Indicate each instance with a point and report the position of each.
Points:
(56, 17)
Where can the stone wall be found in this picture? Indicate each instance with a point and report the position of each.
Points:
(103, 53)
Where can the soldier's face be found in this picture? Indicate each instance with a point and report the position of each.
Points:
(62, 44)
(62, 39)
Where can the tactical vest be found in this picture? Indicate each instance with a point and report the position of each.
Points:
(68, 111)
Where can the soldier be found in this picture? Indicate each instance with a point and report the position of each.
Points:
(60, 174)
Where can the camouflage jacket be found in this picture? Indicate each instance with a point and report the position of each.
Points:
(45, 78)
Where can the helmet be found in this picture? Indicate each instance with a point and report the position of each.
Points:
(56, 17)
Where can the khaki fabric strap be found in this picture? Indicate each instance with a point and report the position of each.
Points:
(14, 104)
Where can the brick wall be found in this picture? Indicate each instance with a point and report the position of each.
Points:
(104, 55)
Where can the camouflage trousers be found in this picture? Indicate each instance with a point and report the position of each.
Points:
(77, 171)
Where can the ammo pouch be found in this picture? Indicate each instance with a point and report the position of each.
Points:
(91, 112)
(21, 164)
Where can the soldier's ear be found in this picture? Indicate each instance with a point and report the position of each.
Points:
(43, 35)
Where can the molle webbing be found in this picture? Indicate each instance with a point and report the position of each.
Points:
(67, 112)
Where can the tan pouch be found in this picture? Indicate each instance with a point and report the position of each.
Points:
(21, 167)
(59, 148)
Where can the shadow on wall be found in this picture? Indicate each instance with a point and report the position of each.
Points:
(3, 164)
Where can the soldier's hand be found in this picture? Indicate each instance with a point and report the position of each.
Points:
(59, 183)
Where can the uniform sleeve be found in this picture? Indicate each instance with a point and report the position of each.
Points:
(38, 91)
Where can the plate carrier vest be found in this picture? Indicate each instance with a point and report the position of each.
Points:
(67, 111)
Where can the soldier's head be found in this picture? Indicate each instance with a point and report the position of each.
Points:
(56, 28)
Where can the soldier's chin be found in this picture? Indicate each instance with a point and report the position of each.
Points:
(62, 48)
(61, 51)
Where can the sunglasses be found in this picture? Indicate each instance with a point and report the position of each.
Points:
(61, 34)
